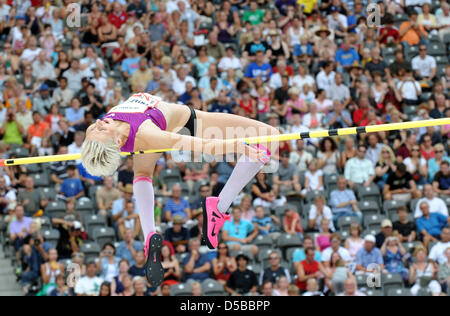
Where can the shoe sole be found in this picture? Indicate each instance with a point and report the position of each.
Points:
(205, 226)
(153, 268)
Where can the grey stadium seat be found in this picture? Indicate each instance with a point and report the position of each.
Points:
(212, 288)
(41, 179)
(248, 253)
(374, 293)
(391, 206)
(45, 222)
(345, 222)
(256, 268)
(182, 289)
(399, 292)
(55, 209)
(103, 235)
(263, 242)
(311, 195)
(290, 253)
(370, 193)
(51, 236)
(369, 207)
(391, 281)
(288, 241)
(91, 250)
(48, 193)
(93, 221)
(373, 221)
(264, 255)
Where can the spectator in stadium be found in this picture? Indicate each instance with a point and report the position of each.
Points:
(72, 186)
(369, 256)
(408, 88)
(385, 232)
(139, 286)
(281, 287)
(376, 65)
(423, 269)
(395, 257)
(286, 179)
(171, 266)
(138, 269)
(430, 225)
(349, 152)
(267, 288)
(292, 224)
(239, 233)
(37, 131)
(300, 157)
(196, 265)
(258, 69)
(224, 265)
(31, 199)
(335, 240)
(61, 288)
(177, 205)
(127, 218)
(359, 170)
(437, 253)
(441, 180)
(323, 239)
(106, 195)
(404, 229)
(74, 75)
(128, 248)
(343, 201)
(411, 32)
(351, 288)
(354, 242)
(319, 211)
(274, 272)
(384, 166)
(126, 174)
(400, 185)
(51, 269)
(424, 65)
(178, 235)
(242, 281)
(108, 264)
(444, 271)
(436, 204)
(43, 101)
(417, 165)
(339, 117)
(127, 283)
(435, 162)
(345, 57)
(309, 269)
(19, 228)
(90, 284)
(118, 280)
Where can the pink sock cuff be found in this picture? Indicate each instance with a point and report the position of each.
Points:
(142, 178)
(259, 146)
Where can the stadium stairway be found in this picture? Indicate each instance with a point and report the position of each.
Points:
(8, 285)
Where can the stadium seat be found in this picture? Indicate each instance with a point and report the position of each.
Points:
(256, 268)
(296, 201)
(394, 217)
(212, 288)
(103, 235)
(410, 111)
(447, 201)
(263, 242)
(373, 232)
(441, 60)
(437, 49)
(391, 281)
(361, 280)
(51, 236)
(84, 206)
(264, 255)
(412, 205)
(301, 177)
(279, 210)
(170, 177)
(180, 257)
(344, 234)
(33, 168)
(21, 152)
(48, 193)
(371, 292)
(391, 206)
(55, 209)
(370, 193)
(45, 223)
(41, 180)
(369, 208)
(411, 52)
(182, 289)
(399, 292)
(287, 241)
(345, 222)
(248, 253)
(93, 221)
(373, 221)
(411, 246)
(91, 250)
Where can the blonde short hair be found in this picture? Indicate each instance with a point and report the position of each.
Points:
(100, 159)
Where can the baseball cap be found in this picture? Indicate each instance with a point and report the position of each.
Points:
(386, 223)
(77, 225)
(128, 189)
(177, 219)
(334, 9)
(44, 87)
(370, 238)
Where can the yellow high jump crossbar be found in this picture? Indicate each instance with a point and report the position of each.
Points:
(252, 140)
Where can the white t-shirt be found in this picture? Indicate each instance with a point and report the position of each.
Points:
(229, 63)
(345, 255)
(180, 86)
(424, 66)
(408, 91)
(300, 81)
(437, 252)
(4, 11)
(88, 286)
(324, 80)
(100, 85)
(314, 179)
(437, 205)
(74, 149)
(412, 167)
(29, 54)
(276, 82)
(326, 213)
(334, 25)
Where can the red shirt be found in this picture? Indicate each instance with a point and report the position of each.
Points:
(359, 115)
(366, 122)
(248, 108)
(309, 268)
(427, 155)
(37, 130)
(35, 3)
(117, 20)
(289, 71)
(392, 34)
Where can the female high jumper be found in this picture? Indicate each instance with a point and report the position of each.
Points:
(145, 122)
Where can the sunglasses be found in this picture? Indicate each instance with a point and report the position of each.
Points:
(416, 149)
(439, 151)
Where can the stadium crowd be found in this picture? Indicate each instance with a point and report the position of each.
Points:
(338, 210)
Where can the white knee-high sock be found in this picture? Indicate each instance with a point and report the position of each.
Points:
(244, 171)
(145, 201)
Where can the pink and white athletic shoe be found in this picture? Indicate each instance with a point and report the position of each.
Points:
(213, 221)
(153, 267)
